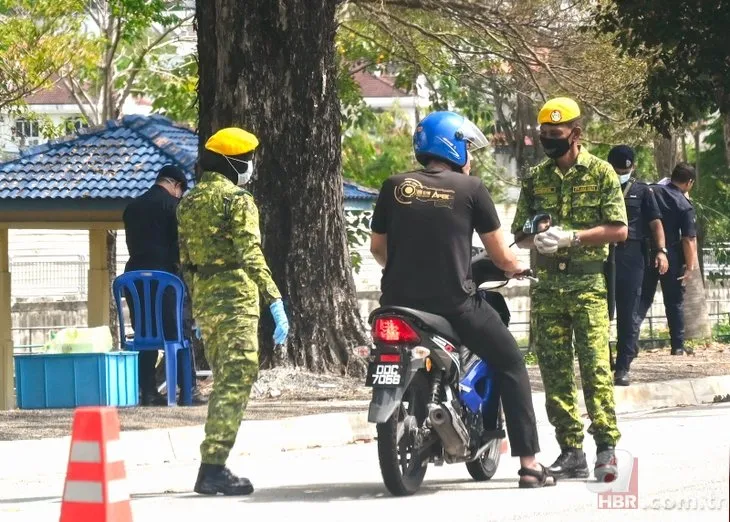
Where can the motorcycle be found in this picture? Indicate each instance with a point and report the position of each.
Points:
(433, 401)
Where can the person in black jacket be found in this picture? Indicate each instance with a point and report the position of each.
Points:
(150, 224)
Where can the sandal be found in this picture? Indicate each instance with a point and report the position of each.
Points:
(543, 476)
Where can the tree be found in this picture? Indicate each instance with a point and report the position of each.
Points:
(271, 67)
(127, 40)
(687, 46)
(38, 38)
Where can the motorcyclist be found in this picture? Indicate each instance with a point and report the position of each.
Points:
(422, 229)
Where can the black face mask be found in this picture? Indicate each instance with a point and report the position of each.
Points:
(555, 147)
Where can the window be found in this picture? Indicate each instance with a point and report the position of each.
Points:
(26, 129)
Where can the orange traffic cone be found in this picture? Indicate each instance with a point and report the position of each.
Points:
(96, 484)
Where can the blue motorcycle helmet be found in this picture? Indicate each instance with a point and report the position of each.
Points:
(446, 136)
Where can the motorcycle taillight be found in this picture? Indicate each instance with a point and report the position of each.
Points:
(394, 330)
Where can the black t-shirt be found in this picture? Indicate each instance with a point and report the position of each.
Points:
(430, 217)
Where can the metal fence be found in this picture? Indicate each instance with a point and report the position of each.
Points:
(52, 276)
(66, 278)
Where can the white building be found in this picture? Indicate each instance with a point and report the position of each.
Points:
(56, 105)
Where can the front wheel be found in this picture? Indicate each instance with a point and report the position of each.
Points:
(398, 441)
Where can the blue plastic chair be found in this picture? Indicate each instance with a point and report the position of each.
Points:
(145, 338)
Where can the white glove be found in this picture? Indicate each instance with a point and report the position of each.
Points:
(563, 238)
(545, 244)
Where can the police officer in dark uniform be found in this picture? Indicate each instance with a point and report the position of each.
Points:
(150, 225)
(680, 231)
(632, 256)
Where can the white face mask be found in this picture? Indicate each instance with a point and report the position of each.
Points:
(244, 177)
(623, 178)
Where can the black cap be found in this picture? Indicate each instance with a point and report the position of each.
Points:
(621, 157)
(173, 172)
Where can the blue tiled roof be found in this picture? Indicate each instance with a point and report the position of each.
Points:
(354, 191)
(117, 161)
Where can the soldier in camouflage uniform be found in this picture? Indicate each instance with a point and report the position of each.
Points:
(583, 196)
(220, 251)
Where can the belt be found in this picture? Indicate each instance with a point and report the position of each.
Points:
(209, 270)
(566, 266)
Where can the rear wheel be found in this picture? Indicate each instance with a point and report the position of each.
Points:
(485, 466)
(398, 441)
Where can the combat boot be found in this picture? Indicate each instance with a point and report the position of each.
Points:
(214, 479)
(570, 464)
(606, 469)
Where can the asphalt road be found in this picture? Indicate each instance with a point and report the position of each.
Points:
(683, 466)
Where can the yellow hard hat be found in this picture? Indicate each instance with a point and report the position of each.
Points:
(558, 110)
(232, 141)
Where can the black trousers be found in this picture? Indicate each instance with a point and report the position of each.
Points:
(481, 329)
(630, 267)
(673, 293)
(147, 358)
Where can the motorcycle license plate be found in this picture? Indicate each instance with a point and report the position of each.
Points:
(385, 374)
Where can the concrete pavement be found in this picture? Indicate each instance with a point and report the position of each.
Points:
(682, 462)
(162, 446)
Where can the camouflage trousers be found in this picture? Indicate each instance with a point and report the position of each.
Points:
(231, 348)
(561, 313)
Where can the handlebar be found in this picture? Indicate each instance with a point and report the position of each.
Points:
(484, 270)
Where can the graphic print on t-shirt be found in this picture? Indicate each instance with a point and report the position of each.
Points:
(411, 189)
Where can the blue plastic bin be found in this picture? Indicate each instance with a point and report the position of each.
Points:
(45, 381)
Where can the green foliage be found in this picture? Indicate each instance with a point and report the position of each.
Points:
(175, 92)
(530, 357)
(358, 233)
(38, 38)
(373, 152)
(721, 330)
(687, 45)
(711, 195)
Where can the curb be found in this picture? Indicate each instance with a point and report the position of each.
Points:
(34, 458)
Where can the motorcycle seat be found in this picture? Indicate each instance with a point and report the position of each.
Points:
(425, 320)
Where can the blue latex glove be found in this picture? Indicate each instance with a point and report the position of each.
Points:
(282, 324)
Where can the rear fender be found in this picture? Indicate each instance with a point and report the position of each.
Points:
(386, 400)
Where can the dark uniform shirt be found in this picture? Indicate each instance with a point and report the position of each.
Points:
(641, 209)
(150, 226)
(430, 217)
(678, 214)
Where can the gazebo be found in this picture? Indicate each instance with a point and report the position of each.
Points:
(84, 182)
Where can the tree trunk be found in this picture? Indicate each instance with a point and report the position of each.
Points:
(665, 155)
(270, 67)
(696, 312)
(111, 262)
(726, 135)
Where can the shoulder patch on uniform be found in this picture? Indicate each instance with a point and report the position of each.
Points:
(586, 188)
(539, 191)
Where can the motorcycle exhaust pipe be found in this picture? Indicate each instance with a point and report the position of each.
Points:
(450, 429)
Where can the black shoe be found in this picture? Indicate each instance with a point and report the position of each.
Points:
(213, 479)
(153, 399)
(570, 464)
(606, 469)
(621, 378)
(678, 351)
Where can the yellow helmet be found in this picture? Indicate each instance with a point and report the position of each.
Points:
(232, 141)
(558, 110)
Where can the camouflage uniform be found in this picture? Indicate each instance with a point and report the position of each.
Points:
(567, 303)
(220, 250)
